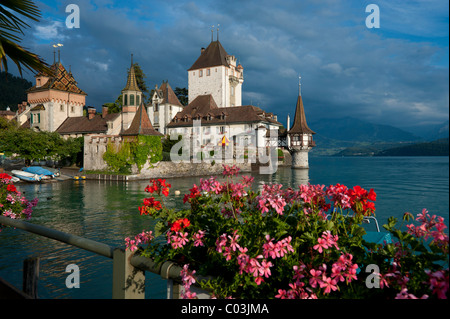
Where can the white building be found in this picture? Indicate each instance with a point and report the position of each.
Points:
(215, 104)
(52, 100)
(216, 73)
(164, 106)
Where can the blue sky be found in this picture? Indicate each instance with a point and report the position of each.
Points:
(396, 74)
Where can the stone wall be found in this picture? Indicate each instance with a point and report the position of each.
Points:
(94, 148)
(171, 169)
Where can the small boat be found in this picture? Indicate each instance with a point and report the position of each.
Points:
(25, 176)
(46, 174)
(15, 179)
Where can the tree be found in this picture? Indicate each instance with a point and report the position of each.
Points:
(11, 29)
(140, 80)
(31, 145)
(183, 95)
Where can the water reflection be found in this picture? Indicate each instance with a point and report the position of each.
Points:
(106, 211)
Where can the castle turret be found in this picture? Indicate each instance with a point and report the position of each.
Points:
(131, 98)
(300, 136)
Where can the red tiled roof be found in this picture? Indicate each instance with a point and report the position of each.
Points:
(84, 125)
(204, 106)
(141, 124)
(169, 95)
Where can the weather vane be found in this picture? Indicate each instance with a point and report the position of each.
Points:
(299, 85)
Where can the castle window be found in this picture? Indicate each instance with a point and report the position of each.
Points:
(71, 109)
(200, 74)
(137, 99)
(61, 108)
(208, 72)
(156, 107)
(125, 99)
(132, 99)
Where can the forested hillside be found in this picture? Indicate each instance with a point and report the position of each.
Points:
(12, 90)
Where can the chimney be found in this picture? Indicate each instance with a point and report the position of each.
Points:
(202, 50)
(91, 113)
(104, 111)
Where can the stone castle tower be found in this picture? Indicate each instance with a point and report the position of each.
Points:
(300, 136)
(131, 98)
(215, 72)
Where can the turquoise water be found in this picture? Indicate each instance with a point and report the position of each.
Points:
(107, 212)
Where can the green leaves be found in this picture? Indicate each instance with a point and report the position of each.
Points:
(11, 30)
(31, 145)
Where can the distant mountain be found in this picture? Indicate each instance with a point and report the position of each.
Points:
(439, 147)
(335, 135)
(352, 129)
(439, 131)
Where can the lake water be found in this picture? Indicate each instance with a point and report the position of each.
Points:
(107, 212)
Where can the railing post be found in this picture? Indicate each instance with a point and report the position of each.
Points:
(31, 276)
(128, 281)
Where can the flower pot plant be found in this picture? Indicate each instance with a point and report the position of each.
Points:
(291, 243)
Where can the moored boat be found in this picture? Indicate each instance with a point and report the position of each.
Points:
(39, 171)
(25, 176)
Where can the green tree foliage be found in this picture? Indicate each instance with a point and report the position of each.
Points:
(182, 94)
(12, 90)
(30, 145)
(121, 158)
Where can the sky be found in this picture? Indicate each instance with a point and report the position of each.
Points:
(396, 74)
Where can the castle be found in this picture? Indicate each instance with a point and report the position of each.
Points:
(214, 115)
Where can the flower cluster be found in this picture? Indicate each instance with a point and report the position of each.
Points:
(187, 279)
(304, 242)
(12, 203)
(430, 227)
(143, 238)
(150, 205)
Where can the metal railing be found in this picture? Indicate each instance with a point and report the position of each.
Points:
(128, 268)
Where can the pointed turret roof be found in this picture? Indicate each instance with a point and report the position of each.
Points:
(131, 80)
(141, 124)
(300, 126)
(213, 55)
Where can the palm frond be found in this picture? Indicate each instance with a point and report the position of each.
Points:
(11, 26)
(21, 57)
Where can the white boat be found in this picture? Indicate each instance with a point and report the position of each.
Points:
(29, 177)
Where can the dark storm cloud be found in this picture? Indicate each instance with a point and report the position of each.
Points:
(397, 74)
